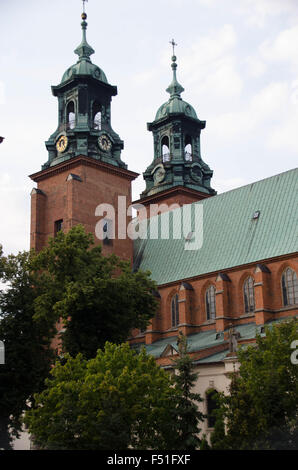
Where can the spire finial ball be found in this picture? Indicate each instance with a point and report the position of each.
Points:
(84, 16)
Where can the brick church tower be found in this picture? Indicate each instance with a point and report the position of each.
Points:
(84, 167)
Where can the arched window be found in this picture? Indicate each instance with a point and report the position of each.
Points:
(96, 116)
(210, 303)
(165, 149)
(70, 115)
(188, 149)
(249, 295)
(289, 285)
(212, 405)
(175, 310)
(97, 121)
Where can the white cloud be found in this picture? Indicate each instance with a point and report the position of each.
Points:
(2, 93)
(4, 181)
(255, 67)
(258, 12)
(282, 48)
(210, 65)
(283, 137)
(223, 185)
(267, 106)
(270, 101)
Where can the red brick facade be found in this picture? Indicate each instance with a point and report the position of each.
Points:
(171, 199)
(70, 192)
(230, 308)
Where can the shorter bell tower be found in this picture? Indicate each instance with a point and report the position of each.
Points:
(177, 173)
(84, 169)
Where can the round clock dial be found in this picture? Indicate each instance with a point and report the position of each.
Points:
(195, 173)
(104, 142)
(62, 143)
(159, 174)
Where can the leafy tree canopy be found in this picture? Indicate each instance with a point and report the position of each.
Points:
(27, 353)
(118, 399)
(98, 297)
(261, 410)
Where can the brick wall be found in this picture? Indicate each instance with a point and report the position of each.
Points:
(59, 196)
(229, 300)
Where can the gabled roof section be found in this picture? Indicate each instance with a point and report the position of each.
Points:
(232, 236)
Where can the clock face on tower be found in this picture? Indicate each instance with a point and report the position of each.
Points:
(104, 143)
(195, 172)
(62, 143)
(158, 173)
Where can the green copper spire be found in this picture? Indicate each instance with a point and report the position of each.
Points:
(175, 89)
(177, 158)
(84, 51)
(84, 112)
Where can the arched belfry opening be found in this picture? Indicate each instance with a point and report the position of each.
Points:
(70, 115)
(188, 149)
(165, 149)
(97, 116)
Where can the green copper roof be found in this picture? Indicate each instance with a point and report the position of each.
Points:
(173, 106)
(175, 103)
(231, 235)
(84, 66)
(204, 340)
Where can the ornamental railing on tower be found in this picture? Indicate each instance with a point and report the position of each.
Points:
(166, 157)
(96, 124)
(71, 124)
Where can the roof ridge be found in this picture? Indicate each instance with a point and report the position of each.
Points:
(247, 184)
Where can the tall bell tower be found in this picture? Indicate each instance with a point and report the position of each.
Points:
(84, 167)
(177, 173)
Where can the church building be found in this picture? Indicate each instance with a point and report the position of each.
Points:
(225, 264)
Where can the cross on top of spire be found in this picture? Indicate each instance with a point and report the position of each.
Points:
(173, 43)
(175, 89)
(84, 5)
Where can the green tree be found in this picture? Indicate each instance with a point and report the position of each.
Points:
(186, 412)
(99, 297)
(117, 400)
(261, 409)
(27, 353)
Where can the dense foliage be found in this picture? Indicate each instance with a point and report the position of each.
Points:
(261, 410)
(27, 353)
(118, 399)
(186, 412)
(98, 297)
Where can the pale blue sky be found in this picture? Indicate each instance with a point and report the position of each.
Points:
(237, 60)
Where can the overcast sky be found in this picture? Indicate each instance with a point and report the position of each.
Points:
(237, 60)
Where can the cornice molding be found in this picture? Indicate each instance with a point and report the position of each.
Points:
(172, 191)
(82, 160)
